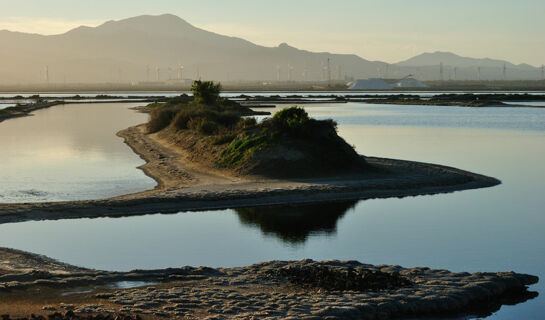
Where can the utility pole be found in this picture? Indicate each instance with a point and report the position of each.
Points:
(328, 72)
(455, 69)
(181, 72)
(504, 72)
(290, 71)
(441, 71)
(47, 74)
(479, 73)
(278, 73)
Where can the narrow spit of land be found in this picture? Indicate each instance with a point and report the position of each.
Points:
(446, 99)
(184, 185)
(26, 109)
(306, 289)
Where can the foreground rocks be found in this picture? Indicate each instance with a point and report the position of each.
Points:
(273, 290)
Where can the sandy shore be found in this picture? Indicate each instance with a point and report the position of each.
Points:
(184, 186)
(303, 289)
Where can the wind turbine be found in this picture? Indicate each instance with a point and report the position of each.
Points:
(180, 72)
(290, 71)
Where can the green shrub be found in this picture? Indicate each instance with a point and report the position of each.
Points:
(206, 92)
(202, 125)
(160, 117)
(241, 149)
(223, 138)
(247, 123)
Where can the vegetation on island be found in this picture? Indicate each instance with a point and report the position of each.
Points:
(217, 130)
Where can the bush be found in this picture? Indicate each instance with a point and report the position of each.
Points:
(182, 99)
(202, 125)
(241, 149)
(160, 118)
(289, 120)
(206, 92)
(223, 138)
(247, 123)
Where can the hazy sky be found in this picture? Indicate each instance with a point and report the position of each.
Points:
(386, 30)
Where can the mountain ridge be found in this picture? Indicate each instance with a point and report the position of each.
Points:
(154, 48)
(448, 58)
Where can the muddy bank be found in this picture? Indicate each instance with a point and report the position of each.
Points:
(303, 289)
(184, 186)
(25, 110)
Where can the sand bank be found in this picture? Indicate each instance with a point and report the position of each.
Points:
(184, 186)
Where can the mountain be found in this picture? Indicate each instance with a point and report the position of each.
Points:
(147, 48)
(151, 48)
(467, 68)
(454, 60)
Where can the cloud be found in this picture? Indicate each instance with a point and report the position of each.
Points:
(43, 25)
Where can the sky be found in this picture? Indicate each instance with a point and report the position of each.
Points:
(385, 30)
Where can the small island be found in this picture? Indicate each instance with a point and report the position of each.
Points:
(215, 132)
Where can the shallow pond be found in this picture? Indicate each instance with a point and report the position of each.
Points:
(70, 152)
(493, 229)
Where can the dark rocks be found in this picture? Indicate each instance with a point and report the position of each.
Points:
(72, 316)
(342, 278)
(303, 289)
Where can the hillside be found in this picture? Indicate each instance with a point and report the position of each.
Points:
(133, 49)
(454, 60)
(151, 48)
(428, 65)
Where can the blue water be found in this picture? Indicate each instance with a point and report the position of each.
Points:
(70, 152)
(492, 229)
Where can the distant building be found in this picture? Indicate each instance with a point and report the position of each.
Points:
(409, 83)
(370, 84)
(385, 84)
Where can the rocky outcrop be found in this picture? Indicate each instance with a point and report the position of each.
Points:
(303, 289)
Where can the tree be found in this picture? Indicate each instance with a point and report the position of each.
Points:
(206, 92)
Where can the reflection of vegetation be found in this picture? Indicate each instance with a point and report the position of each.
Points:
(293, 224)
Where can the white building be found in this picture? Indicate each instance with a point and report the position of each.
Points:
(385, 84)
(370, 84)
(409, 83)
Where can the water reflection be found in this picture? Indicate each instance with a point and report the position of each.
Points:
(70, 152)
(293, 224)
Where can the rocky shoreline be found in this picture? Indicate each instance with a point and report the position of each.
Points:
(303, 289)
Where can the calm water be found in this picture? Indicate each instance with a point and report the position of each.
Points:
(493, 229)
(69, 152)
(6, 105)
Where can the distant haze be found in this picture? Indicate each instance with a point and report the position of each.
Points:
(159, 48)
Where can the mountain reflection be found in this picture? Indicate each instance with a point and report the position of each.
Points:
(294, 223)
